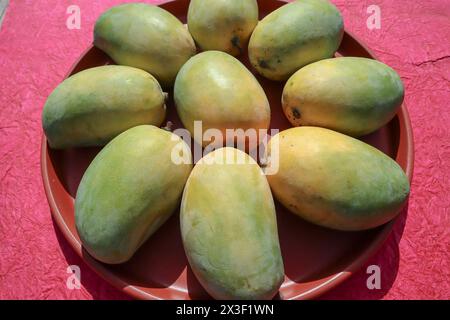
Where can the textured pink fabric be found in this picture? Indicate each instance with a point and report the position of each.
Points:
(37, 49)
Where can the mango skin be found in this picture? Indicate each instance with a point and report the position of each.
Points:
(146, 37)
(229, 227)
(222, 25)
(355, 96)
(336, 181)
(95, 105)
(293, 36)
(217, 89)
(129, 190)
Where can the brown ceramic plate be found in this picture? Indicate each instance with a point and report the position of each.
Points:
(316, 259)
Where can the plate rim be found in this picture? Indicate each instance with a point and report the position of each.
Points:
(324, 285)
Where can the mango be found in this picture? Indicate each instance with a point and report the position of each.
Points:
(217, 89)
(95, 105)
(129, 190)
(229, 227)
(355, 96)
(334, 180)
(295, 35)
(222, 24)
(146, 37)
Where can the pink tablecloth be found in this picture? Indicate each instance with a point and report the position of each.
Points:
(37, 49)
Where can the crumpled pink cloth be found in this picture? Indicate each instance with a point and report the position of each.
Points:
(36, 51)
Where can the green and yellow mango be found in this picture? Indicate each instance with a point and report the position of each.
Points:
(217, 89)
(334, 180)
(146, 37)
(296, 34)
(129, 190)
(355, 96)
(95, 105)
(229, 227)
(222, 25)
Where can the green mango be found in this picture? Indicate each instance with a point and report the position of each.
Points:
(222, 25)
(334, 180)
(129, 190)
(95, 105)
(217, 89)
(146, 37)
(355, 96)
(229, 227)
(295, 35)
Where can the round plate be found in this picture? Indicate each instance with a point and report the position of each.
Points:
(159, 270)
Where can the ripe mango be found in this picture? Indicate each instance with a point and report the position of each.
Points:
(295, 35)
(128, 191)
(95, 105)
(229, 228)
(222, 24)
(355, 96)
(334, 180)
(146, 37)
(217, 89)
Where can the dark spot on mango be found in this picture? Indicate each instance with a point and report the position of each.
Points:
(236, 43)
(296, 113)
(263, 64)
